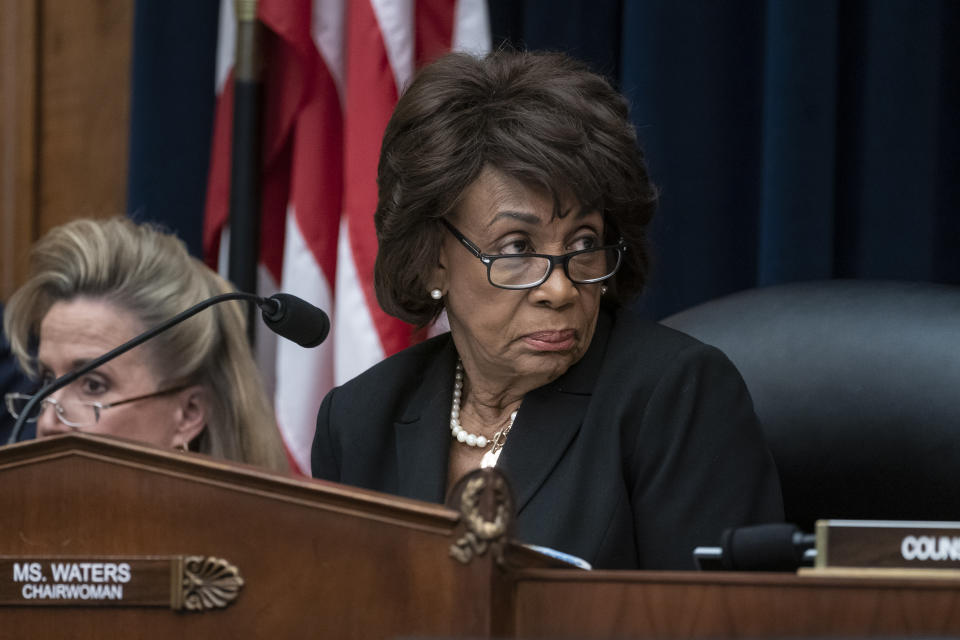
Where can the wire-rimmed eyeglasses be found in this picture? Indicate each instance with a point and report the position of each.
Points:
(74, 412)
(529, 270)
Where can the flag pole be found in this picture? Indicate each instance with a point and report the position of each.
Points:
(245, 155)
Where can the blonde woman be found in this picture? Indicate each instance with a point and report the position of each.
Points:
(95, 284)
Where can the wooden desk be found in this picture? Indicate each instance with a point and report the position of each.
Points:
(618, 604)
(325, 560)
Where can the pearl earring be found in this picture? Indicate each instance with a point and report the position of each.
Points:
(603, 289)
(436, 294)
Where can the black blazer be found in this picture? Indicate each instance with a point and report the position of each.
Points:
(12, 379)
(644, 449)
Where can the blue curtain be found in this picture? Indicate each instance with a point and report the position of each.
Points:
(171, 113)
(791, 139)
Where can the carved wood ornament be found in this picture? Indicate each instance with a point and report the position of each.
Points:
(485, 503)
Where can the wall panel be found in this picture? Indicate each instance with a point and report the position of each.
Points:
(19, 24)
(65, 94)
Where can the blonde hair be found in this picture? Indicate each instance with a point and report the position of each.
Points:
(149, 273)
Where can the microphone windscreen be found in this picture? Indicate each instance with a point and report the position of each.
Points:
(297, 320)
(766, 547)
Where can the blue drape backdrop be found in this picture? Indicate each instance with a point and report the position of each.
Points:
(791, 139)
(171, 113)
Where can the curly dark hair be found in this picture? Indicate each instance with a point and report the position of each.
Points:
(542, 118)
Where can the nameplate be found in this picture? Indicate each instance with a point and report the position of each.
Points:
(192, 583)
(888, 544)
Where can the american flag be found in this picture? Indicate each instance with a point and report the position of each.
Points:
(335, 70)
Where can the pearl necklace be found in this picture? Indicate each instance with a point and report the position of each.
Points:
(471, 439)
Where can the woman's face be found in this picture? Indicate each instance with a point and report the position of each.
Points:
(76, 331)
(530, 334)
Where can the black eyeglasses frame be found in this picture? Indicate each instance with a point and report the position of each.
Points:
(564, 260)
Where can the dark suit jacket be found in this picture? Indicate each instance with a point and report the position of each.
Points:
(12, 379)
(644, 449)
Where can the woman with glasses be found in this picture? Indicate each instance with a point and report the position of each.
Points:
(95, 284)
(513, 198)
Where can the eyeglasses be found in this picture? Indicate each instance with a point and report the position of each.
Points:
(529, 270)
(71, 411)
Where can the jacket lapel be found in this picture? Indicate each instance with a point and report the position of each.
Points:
(549, 419)
(423, 446)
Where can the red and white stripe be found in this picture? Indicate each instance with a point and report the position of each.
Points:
(335, 70)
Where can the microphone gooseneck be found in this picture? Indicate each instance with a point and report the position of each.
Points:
(287, 325)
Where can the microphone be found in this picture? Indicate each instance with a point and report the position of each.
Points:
(764, 547)
(295, 319)
(287, 315)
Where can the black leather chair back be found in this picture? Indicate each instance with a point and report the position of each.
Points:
(857, 385)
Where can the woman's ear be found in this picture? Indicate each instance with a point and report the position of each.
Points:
(191, 415)
(438, 275)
